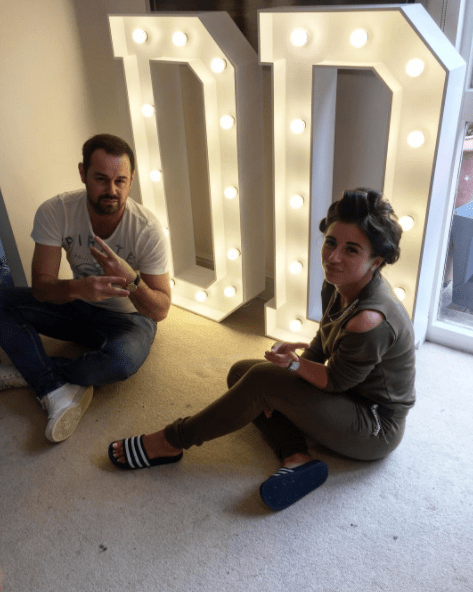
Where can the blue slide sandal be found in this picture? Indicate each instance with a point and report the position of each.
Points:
(289, 485)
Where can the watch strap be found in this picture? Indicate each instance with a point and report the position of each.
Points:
(134, 284)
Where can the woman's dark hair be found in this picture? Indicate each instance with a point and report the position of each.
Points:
(111, 144)
(374, 216)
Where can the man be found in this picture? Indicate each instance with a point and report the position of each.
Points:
(118, 255)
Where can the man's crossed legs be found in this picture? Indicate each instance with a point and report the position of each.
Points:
(118, 343)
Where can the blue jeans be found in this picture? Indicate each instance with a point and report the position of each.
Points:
(119, 343)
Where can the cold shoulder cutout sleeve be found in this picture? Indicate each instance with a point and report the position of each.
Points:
(356, 357)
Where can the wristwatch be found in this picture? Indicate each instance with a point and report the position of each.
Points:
(134, 284)
(294, 364)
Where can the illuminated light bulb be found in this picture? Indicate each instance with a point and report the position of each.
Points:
(147, 110)
(230, 291)
(230, 192)
(179, 39)
(298, 126)
(173, 283)
(406, 222)
(359, 38)
(415, 139)
(296, 201)
(218, 65)
(201, 296)
(299, 37)
(227, 122)
(467, 178)
(166, 231)
(295, 267)
(400, 293)
(156, 175)
(295, 325)
(415, 67)
(233, 254)
(140, 36)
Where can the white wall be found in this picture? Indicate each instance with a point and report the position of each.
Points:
(45, 111)
(105, 77)
(54, 96)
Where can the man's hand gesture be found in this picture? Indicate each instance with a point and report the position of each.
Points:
(116, 275)
(111, 263)
(95, 288)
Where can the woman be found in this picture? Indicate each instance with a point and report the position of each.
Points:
(350, 390)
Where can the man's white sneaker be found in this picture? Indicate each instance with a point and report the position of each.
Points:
(11, 378)
(65, 406)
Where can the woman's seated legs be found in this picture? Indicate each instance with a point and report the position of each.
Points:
(284, 438)
(336, 421)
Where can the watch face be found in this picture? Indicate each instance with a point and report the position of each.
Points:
(134, 285)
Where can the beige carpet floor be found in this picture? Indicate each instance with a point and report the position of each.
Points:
(71, 522)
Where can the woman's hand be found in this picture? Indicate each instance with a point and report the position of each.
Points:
(282, 354)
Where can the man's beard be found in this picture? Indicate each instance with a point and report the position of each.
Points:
(102, 209)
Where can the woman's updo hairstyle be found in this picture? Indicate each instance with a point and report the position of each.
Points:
(374, 216)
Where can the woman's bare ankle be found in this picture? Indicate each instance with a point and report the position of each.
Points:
(295, 460)
(156, 445)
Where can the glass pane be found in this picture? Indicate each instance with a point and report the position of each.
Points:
(456, 297)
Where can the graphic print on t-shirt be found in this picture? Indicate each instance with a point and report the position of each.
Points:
(81, 260)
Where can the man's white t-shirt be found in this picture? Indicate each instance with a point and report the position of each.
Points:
(139, 239)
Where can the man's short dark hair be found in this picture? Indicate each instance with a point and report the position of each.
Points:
(110, 144)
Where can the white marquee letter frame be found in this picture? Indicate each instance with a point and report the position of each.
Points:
(414, 178)
(234, 155)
